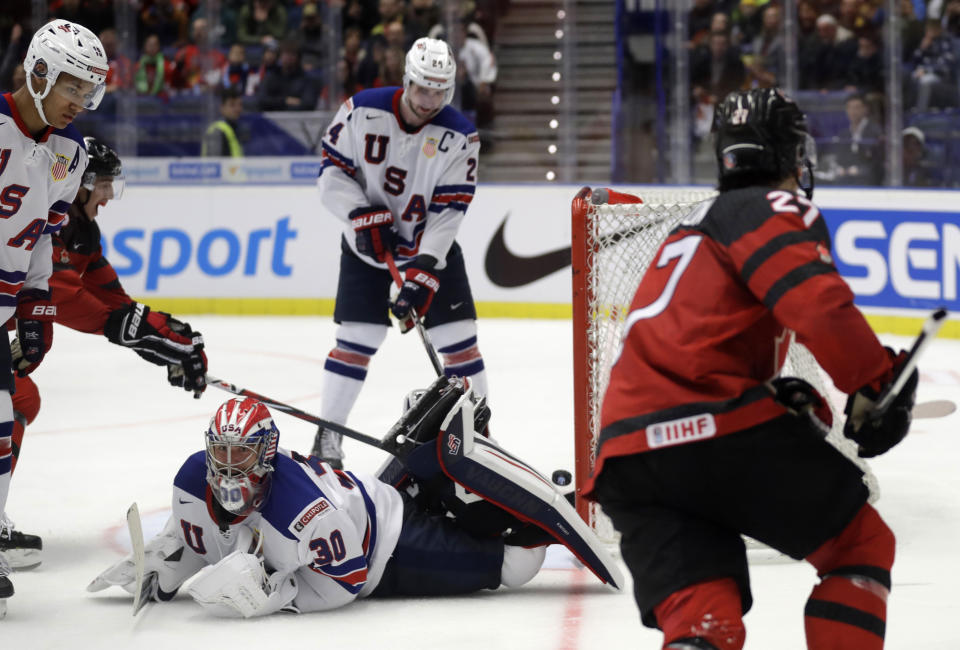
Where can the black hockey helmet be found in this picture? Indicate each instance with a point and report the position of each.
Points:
(102, 162)
(761, 136)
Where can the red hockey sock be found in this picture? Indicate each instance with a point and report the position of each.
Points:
(707, 610)
(26, 405)
(848, 609)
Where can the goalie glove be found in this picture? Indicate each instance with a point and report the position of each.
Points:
(161, 340)
(166, 567)
(35, 315)
(238, 586)
(373, 226)
(416, 294)
(877, 435)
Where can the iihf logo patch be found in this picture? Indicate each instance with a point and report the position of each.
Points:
(729, 160)
(430, 147)
(59, 169)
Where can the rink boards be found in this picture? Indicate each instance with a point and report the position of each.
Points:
(210, 245)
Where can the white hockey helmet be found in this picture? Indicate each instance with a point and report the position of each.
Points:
(63, 46)
(431, 64)
(241, 448)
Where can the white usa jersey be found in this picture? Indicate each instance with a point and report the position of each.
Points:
(333, 531)
(426, 177)
(38, 181)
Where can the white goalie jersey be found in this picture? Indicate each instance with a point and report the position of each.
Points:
(329, 532)
(426, 177)
(38, 182)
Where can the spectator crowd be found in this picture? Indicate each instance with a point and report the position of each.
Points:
(276, 55)
(841, 73)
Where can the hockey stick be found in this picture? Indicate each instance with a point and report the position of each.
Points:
(134, 527)
(431, 352)
(294, 411)
(938, 408)
(927, 334)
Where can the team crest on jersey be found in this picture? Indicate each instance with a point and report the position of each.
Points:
(59, 169)
(430, 147)
(453, 444)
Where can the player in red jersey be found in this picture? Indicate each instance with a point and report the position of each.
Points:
(89, 298)
(701, 441)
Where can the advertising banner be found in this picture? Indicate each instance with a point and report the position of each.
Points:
(899, 250)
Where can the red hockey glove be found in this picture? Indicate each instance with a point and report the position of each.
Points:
(35, 315)
(415, 296)
(876, 436)
(373, 226)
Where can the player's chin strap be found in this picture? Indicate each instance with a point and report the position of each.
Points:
(431, 351)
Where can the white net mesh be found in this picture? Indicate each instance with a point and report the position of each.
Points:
(621, 240)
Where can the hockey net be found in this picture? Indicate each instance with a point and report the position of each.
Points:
(615, 237)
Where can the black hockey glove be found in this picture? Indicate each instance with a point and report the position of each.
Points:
(801, 398)
(191, 375)
(35, 315)
(876, 436)
(373, 226)
(417, 292)
(153, 335)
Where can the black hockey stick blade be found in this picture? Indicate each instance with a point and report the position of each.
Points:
(294, 411)
(927, 334)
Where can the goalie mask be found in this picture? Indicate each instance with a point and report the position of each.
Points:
(430, 63)
(241, 448)
(761, 136)
(62, 46)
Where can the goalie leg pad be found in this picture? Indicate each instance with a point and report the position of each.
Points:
(484, 469)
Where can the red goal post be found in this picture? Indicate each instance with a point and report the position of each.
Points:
(614, 238)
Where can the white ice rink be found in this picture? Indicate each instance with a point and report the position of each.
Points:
(112, 432)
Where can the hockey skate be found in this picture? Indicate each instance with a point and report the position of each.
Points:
(326, 447)
(23, 551)
(6, 587)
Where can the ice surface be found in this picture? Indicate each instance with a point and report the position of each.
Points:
(112, 432)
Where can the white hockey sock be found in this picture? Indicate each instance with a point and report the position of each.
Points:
(6, 446)
(346, 368)
(457, 344)
(339, 395)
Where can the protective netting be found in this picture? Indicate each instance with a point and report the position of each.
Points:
(621, 240)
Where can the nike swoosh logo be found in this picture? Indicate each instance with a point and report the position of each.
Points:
(508, 270)
(455, 306)
(182, 501)
(373, 117)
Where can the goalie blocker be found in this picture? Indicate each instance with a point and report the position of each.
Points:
(529, 510)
